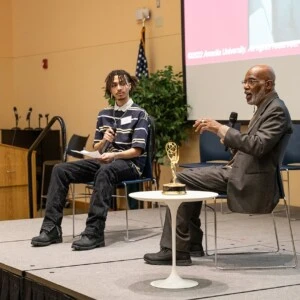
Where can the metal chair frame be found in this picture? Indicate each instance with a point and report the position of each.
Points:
(76, 142)
(125, 185)
(291, 160)
(146, 177)
(284, 144)
(216, 254)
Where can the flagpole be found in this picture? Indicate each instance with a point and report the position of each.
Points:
(143, 38)
(142, 65)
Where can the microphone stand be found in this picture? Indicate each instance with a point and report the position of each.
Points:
(39, 128)
(28, 128)
(28, 119)
(46, 116)
(16, 118)
(17, 123)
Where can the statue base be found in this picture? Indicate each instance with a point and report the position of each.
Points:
(174, 189)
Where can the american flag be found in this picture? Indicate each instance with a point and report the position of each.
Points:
(141, 64)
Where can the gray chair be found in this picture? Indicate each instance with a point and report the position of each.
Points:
(275, 211)
(291, 159)
(76, 142)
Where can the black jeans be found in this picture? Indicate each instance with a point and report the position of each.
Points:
(105, 176)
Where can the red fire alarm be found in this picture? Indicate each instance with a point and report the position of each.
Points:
(45, 63)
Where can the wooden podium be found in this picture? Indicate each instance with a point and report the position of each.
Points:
(14, 200)
(48, 149)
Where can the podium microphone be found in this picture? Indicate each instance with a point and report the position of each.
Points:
(107, 143)
(28, 118)
(232, 120)
(17, 118)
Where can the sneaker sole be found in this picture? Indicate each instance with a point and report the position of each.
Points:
(186, 262)
(80, 248)
(43, 244)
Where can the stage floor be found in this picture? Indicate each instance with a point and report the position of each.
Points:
(118, 271)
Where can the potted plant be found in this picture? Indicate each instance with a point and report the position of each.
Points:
(161, 94)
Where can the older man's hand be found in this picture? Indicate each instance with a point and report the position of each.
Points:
(208, 124)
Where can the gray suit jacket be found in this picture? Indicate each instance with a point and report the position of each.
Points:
(253, 184)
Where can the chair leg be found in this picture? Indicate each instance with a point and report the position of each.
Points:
(221, 202)
(160, 216)
(276, 233)
(73, 207)
(126, 237)
(222, 206)
(215, 230)
(289, 196)
(289, 191)
(41, 205)
(287, 212)
(126, 212)
(216, 254)
(205, 227)
(42, 190)
(87, 196)
(159, 206)
(215, 233)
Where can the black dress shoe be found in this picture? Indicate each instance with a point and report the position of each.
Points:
(164, 257)
(196, 250)
(88, 242)
(47, 238)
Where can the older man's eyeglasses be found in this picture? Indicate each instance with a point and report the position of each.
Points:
(250, 82)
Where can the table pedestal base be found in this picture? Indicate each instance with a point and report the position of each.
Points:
(174, 281)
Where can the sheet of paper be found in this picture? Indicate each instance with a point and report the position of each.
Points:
(94, 154)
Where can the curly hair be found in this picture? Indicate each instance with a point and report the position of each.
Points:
(123, 77)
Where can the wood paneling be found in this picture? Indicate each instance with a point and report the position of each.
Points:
(14, 203)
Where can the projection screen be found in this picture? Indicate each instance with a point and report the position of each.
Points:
(223, 39)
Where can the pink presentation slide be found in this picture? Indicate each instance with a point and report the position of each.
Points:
(219, 31)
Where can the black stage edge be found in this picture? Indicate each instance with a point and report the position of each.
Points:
(16, 286)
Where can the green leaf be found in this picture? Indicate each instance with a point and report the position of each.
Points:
(162, 96)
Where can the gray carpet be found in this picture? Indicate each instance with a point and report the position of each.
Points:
(118, 271)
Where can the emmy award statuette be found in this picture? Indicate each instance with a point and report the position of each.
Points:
(173, 188)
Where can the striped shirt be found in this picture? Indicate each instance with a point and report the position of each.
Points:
(131, 130)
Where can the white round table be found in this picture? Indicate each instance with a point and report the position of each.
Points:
(173, 281)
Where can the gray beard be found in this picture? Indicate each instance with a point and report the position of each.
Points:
(257, 99)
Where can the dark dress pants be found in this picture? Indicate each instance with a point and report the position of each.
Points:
(188, 231)
(105, 176)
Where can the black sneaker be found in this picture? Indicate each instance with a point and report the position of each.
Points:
(164, 257)
(88, 242)
(196, 250)
(47, 238)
